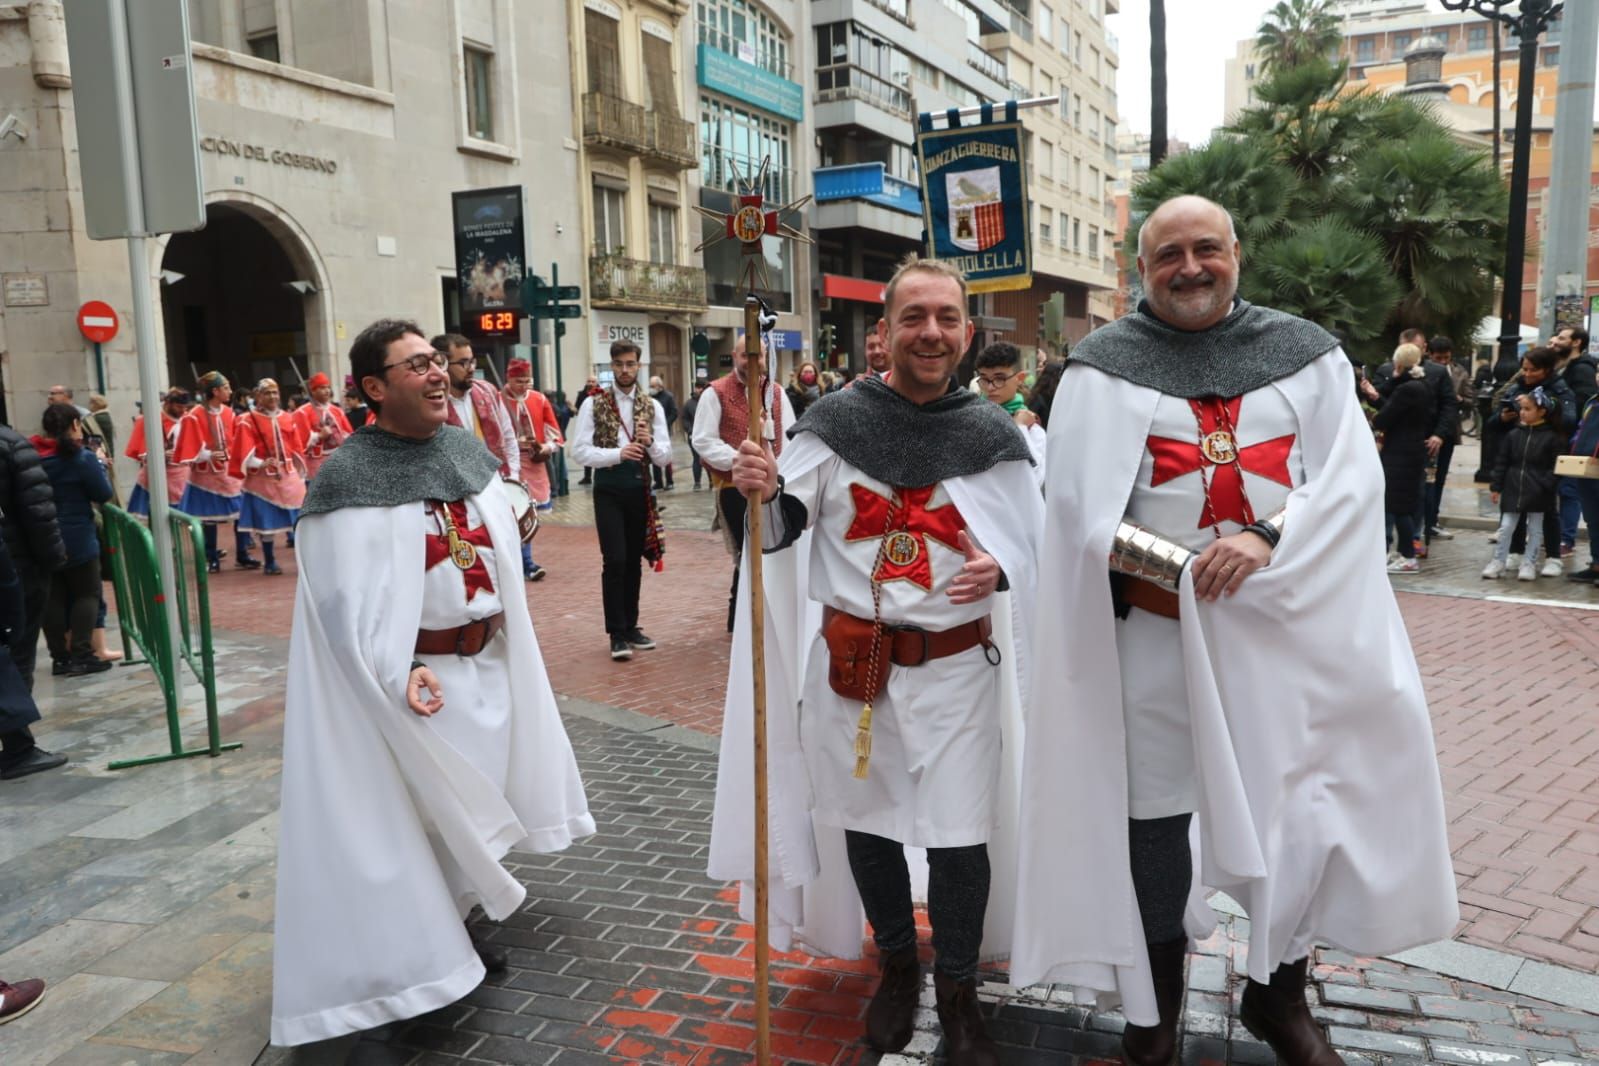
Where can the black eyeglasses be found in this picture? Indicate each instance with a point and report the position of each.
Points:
(419, 363)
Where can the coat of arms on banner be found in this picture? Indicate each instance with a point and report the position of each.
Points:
(976, 209)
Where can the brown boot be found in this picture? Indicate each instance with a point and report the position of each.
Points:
(1156, 1045)
(891, 1016)
(1278, 1014)
(966, 1041)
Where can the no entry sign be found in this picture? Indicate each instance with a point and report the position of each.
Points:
(97, 321)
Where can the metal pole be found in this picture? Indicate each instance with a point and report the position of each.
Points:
(99, 369)
(1520, 168)
(1498, 103)
(1565, 259)
(755, 367)
(144, 341)
(555, 328)
(976, 112)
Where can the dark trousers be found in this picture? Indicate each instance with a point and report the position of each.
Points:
(70, 611)
(1404, 534)
(1163, 868)
(1587, 490)
(698, 467)
(619, 518)
(1435, 491)
(662, 475)
(25, 637)
(957, 897)
(1570, 509)
(735, 508)
(17, 709)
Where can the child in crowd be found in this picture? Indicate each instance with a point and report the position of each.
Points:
(1524, 480)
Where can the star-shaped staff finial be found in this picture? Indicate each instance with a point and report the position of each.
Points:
(750, 221)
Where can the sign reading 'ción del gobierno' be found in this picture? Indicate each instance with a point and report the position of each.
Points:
(974, 199)
(489, 248)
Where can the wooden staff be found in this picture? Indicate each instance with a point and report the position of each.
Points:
(755, 397)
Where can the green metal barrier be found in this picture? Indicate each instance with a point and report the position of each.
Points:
(141, 616)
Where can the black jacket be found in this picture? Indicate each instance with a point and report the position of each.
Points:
(1441, 391)
(1524, 475)
(28, 504)
(1579, 375)
(1405, 421)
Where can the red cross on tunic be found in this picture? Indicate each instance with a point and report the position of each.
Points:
(476, 576)
(916, 522)
(1217, 420)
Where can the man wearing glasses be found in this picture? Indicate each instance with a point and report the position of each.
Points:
(475, 405)
(422, 741)
(999, 377)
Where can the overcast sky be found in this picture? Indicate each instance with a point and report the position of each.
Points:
(1200, 36)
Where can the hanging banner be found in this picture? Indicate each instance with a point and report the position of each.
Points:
(974, 198)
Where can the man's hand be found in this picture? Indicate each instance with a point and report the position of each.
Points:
(644, 439)
(1224, 565)
(1369, 391)
(1434, 442)
(1494, 496)
(1507, 414)
(755, 470)
(423, 678)
(635, 452)
(978, 579)
(1025, 418)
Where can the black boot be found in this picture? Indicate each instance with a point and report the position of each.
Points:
(966, 1041)
(1278, 1014)
(1156, 1045)
(891, 1016)
(492, 957)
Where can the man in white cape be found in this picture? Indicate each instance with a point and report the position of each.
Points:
(421, 738)
(921, 505)
(1269, 687)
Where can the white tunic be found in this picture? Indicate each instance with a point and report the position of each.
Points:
(934, 770)
(1169, 497)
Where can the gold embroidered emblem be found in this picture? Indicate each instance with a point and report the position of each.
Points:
(1220, 447)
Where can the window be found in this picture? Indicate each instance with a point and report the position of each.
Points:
(1077, 111)
(603, 45)
(264, 46)
(1049, 86)
(610, 226)
(1249, 72)
(1366, 50)
(1093, 123)
(1401, 42)
(1092, 188)
(1093, 65)
(1046, 160)
(1477, 39)
(852, 63)
(660, 88)
(741, 29)
(479, 92)
(734, 140)
(1065, 106)
(1044, 232)
(1046, 26)
(1065, 38)
(663, 232)
(924, 72)
(1093, 242)
(1077, 235)
(1110, 130)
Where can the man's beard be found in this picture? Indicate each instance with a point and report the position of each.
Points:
(1194, 299)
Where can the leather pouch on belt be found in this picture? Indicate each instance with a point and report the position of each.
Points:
(849, 647)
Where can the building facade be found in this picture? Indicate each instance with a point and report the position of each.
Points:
(332, 134)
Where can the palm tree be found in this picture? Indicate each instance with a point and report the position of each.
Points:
(1297, 30)
(1329, 272)
(1157, 82)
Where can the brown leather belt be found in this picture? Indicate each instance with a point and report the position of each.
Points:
(462, 640)
(913, 645)
(1147, 596)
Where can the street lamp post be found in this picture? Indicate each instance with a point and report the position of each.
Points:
(1528, 24)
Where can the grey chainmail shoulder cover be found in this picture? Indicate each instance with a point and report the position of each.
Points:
(1253, 346)
(909, 445)
(376, 468)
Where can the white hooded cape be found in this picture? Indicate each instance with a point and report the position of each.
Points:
(813, 900)
(1320, 805)
(379, 815)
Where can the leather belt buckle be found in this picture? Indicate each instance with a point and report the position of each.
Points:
(926, 647)
(477, 626)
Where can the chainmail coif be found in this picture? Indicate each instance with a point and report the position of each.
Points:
(376, 468)
(1253, 346)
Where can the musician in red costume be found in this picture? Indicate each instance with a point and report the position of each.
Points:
(538, 437)
(323, 424)
(269, 458)
(212, 495)
(173, 407)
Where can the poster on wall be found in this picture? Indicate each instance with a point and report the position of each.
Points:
(489, 248)
(974, 198)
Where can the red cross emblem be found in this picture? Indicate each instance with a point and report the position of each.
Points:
(904, 557)
(476, 575)
(1218, 449)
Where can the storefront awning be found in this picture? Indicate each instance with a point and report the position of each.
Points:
(840, 287)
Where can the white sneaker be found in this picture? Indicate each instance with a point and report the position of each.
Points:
(1440, 533)
(1393, 557)
(1493, 538)
(1404, 566)
(1512, 561)
(1527, 571)
(1552, 567)
(1494, 570)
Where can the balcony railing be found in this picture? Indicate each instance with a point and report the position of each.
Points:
(618, 282)
(900, 9)
(1021, 25)
(846, 81)
(981, 60)
(767, 58)
(611, 120)
(672, 140)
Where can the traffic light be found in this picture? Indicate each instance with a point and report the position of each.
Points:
(827, 339)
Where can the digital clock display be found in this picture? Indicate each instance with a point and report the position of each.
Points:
(497, 322)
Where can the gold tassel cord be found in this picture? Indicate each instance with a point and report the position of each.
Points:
(863, 742)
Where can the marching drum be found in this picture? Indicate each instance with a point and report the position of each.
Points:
(527, 516)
